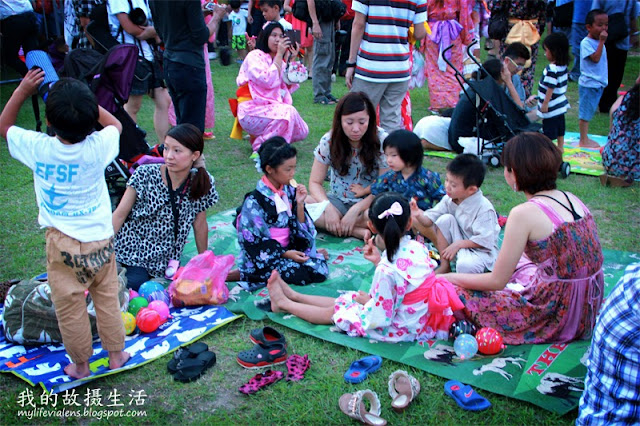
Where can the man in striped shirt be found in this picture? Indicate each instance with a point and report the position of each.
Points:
(379, 61)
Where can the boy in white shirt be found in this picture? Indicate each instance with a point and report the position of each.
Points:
(238, 18)
(271, 11)
(74, 206)
(464, 224)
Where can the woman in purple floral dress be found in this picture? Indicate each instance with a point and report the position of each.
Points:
(621, 154)
(547, 284)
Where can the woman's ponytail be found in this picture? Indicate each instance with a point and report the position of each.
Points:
(201, 184)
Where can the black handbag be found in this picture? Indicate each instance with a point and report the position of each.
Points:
(618, 29)
(498, 25)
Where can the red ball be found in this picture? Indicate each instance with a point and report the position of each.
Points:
(148, 320)
(489, 341)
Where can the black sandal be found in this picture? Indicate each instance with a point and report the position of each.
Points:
(189, 352)
(191, 369)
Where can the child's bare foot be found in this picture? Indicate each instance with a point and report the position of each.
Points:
(276, 294)
(77, 371)
(117, 359)
(324, 253)
(588, 143)
(288, 292)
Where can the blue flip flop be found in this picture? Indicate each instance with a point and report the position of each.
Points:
(359, 370)
(465, 396)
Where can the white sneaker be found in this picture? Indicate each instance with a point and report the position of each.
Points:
(333, 78)
(212, 56)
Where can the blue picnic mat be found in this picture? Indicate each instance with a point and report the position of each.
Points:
(43, 364)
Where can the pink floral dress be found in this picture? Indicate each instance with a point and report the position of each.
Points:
(450, 24)
(559, 302)
(387, 317)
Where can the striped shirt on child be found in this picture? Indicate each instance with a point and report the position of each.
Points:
(554, 77)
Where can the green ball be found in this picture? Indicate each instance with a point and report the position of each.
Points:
(136, 304)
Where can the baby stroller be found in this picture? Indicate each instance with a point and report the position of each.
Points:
(497, 117)
(110, 77)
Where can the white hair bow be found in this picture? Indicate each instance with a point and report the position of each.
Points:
(394, 210)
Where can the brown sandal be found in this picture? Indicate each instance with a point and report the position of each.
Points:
(403, 389)
(353, 406)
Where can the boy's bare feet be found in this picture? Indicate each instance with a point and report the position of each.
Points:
(77, 370)
(276, 294)
(117, 359)
(588, 143)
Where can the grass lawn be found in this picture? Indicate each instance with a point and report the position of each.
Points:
(215, 398)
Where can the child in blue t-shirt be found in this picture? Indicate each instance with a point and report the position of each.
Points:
(404, 155)
(594, 75)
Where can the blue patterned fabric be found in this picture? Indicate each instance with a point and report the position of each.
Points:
(424, 184)
(612, 385)
(44, 364)
(260, 253)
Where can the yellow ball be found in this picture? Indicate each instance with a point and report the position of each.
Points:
(129, 322)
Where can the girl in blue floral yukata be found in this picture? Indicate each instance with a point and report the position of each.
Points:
(274, 230)
(406, 301)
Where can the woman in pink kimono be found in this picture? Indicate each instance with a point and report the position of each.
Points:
(450, 22)
(269, 112)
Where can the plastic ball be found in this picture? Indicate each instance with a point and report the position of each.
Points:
(148, 320)
(149, 287)
(161, 308)
(129, 322)
(133, 294)
(162, 296)
(489, 341)
(136, 304)
(465, 346)
(461, 327)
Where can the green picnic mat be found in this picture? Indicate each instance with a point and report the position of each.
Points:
(549, 376)
(584, 161)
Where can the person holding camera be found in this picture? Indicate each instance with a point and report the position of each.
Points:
(130, 23)
(268, 110)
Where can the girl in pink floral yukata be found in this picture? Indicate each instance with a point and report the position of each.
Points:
(406, 302)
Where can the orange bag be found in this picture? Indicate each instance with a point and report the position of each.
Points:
(202, 281)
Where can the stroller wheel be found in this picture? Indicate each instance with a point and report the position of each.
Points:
(565, 169)
(494, 160)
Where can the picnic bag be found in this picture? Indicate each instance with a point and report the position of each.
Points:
(295, 73)
(29, 316)
(202, 281)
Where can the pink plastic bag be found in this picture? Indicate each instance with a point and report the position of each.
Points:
(202, 281)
